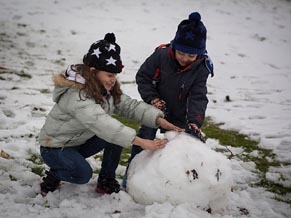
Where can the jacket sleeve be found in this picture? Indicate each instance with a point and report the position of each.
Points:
(93, 117)
(138, 111)
(197, 100)
(145, 75)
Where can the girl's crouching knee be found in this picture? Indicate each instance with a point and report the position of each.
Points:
(82, 176)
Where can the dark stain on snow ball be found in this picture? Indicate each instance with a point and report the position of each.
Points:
(194, 174)
(227, 98)
(218, 174)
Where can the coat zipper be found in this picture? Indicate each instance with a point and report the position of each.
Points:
(181, 91)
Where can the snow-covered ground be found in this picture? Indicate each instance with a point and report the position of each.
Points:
(249, 42)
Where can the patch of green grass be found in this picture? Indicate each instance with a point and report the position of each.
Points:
(263, 161)
(228, 137)
(126, 151)
(20, 73)
(98, 156)
(45, 91)
(274, 187)
(38, 170)
(35, 158)
(4, 71)
(23, 74)
(127, 122)
(38, 167)
(125, 155)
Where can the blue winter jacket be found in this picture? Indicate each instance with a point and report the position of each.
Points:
(183, 90)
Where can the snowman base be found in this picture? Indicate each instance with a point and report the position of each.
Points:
(185, 171)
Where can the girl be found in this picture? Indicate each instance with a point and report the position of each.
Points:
(80, 123)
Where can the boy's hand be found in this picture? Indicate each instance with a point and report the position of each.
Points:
(193, 130)
(160, 104)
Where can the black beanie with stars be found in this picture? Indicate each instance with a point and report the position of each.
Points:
(104, 55)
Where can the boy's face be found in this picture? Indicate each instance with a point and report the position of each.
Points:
(185, 59)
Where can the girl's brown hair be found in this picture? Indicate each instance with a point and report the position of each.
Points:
(93, 88)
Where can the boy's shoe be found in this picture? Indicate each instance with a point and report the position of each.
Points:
(49, 184)
(107, 186)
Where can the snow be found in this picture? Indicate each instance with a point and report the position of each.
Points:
(186, 170)
(249, 42)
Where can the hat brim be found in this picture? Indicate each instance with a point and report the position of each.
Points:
(187, 49)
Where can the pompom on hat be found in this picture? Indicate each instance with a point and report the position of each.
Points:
(190, 37)
(104, 55)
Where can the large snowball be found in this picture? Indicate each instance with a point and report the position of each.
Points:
(186, 170)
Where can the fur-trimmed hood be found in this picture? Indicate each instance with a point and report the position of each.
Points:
(62, 85)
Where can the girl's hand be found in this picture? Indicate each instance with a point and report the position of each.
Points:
(167, 125)
(148, 144)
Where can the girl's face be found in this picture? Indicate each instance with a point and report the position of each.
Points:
(107, 79)
(185, 59)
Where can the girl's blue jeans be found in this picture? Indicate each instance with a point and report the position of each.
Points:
(69, 163)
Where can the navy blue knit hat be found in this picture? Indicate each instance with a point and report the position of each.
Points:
(104, 55)
(190, 36)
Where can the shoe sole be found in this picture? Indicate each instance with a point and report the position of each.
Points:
(43, 193)
(101, 191)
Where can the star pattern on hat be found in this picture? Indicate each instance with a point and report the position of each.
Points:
(111, 47)
(189, 35)
(111, 60)
(96, 52)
